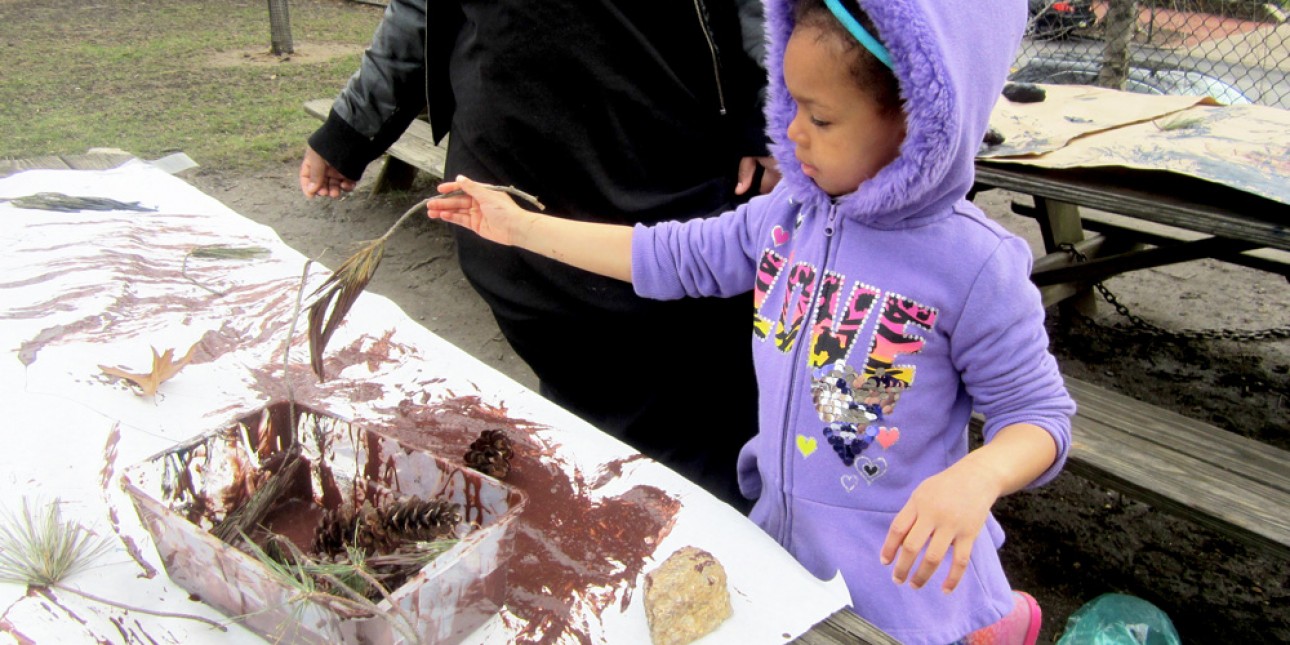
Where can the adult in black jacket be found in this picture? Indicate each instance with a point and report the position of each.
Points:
(615, 110)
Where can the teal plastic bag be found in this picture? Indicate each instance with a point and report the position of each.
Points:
(1119, 619)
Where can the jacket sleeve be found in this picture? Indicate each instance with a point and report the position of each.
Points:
(386, 93)
(752, 18)
(711, 256)
(1000, 347)
(755, 142)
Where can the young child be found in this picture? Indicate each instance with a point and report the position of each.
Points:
(887, 308)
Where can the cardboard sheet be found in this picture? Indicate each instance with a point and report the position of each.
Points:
(1246, 147)
(86, 289)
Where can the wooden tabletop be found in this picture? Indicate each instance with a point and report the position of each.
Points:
(1164, 198)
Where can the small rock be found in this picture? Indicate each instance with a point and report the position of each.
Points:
(1024, 93)
(686, 597)
(993, 137)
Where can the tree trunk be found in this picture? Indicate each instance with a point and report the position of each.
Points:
(280, 28)
(1119, 25)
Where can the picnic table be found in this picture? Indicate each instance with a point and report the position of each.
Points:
(1158, 180)
(1122, 182)
(1123, 220)
(85, 289)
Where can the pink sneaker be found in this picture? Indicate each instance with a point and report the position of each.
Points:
(1019, 627)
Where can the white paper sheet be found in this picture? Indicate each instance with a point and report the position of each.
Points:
(93, 288)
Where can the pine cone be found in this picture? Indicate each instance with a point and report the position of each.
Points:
(335, 531)
(415, 519)
(383, 530)
(375, 533)
(491, 454)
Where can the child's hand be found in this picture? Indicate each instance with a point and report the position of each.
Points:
(491, 214)
(943, 516)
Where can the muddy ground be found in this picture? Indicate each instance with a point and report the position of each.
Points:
(1068, 542)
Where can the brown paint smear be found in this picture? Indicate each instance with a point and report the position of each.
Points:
(575, 551)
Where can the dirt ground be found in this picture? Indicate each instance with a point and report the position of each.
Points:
(1068, 542)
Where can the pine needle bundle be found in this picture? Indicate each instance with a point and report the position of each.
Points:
(39, 548)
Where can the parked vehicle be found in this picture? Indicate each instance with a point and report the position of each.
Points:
(1143, 80)
(1051, 19)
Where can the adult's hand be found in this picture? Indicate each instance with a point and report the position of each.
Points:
(748, 167)
(317, 177)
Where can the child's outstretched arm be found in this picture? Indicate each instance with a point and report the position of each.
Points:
(947, 511)
(605, 249)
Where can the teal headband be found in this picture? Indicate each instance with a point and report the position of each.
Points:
(861, 34)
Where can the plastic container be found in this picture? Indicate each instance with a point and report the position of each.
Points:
(181, 493)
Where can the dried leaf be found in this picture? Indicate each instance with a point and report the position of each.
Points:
(163, 368)
(342, 288)
(225, 252)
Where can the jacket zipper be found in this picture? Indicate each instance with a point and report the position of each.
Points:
(789, 444)
(712, 49)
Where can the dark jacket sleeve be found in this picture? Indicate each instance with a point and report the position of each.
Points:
(753, 32)
(382, 97)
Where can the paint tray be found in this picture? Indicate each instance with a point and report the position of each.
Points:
(183, 493)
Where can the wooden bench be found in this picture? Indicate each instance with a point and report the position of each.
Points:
(414, 151)
(1235, 486)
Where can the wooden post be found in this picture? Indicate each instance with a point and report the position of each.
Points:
(395, 175)
(1059, 223)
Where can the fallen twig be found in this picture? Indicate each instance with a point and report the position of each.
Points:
(128, 607)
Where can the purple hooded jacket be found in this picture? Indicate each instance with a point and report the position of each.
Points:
(881, 320)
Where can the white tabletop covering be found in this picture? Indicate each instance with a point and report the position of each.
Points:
(80, 290)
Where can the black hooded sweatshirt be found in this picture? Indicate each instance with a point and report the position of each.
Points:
(619, 111)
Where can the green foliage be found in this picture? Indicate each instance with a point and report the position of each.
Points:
(1180, 123)
(153, 78)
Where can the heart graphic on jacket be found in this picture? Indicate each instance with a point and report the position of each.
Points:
(888, 436)
(806, 445)
(871, 469)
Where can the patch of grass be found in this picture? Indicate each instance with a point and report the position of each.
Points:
(143, 77)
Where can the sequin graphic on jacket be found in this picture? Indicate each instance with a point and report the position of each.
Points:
(854, 405)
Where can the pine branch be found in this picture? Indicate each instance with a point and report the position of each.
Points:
(343, 287)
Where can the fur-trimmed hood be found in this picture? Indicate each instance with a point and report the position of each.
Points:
(951, 71)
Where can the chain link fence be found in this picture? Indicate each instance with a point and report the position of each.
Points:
(1237, 51)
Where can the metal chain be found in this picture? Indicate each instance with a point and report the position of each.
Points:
(1146, 328)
